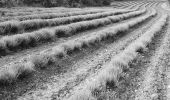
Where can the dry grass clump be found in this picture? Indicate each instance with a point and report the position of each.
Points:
(11, 72)
(48, 57)
(113, 71)
(13, 42)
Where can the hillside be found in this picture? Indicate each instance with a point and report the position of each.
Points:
(116, 52)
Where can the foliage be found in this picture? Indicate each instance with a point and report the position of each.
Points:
(52, 3)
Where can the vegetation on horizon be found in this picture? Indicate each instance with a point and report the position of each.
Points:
(54, 3)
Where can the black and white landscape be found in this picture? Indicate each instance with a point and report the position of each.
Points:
(112, 50)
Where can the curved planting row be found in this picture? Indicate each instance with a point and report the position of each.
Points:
(13, 42)
(154, 84)
(22, 11)
(55, 15)
(13, 27)
(130, 6)
(113, 71)
(125, 4)
(51, 15)
(24, 66)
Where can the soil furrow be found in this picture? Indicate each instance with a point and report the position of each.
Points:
(58, 88)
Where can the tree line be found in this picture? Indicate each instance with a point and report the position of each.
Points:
(55, 3)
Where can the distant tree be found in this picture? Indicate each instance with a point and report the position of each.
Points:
(47, 3)
(106, 2)
(58, 2)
